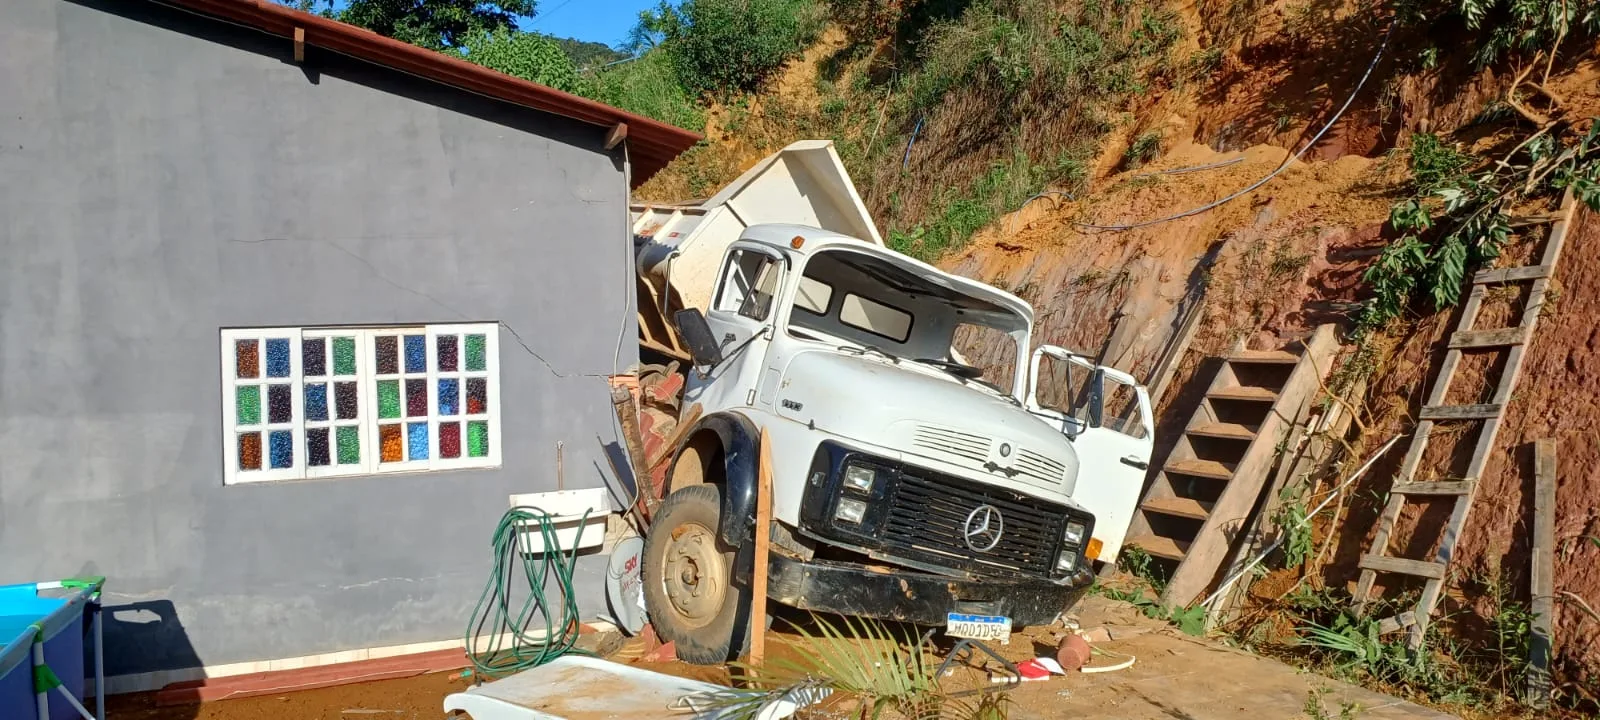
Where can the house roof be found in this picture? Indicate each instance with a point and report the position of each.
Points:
(651, 143)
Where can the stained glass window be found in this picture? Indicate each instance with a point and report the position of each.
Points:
(310, 402)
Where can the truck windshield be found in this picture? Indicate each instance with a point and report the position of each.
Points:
(849, 297)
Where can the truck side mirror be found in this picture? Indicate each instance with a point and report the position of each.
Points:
(703, 346)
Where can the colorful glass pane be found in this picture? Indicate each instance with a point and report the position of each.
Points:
(389, 447)
(280, 407)
(449, 396)
(445, 352)
(247, 404)
(477, 396)
(277, 357)
(250, 451)
(388, 398)
(316, 402)
(477, 439)
(314, 356)
(450, 440)
(417, 440)
(344, 400)
(416, 354)
(349, 439)
(387, 348)
(281, 447)
(416, 398)
(344, 356)
(317, 447)
(246, 359)
(476, 352)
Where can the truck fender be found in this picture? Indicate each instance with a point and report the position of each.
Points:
(741, 449)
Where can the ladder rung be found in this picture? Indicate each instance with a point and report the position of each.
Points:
(1179, 507)
(1513, 274)
(1160, 546)
(1260, 394)
(1397, 622)
(1460, 412)
(1420, 568)
(1264, 357)
(1227, 431)
(1200, 468)
(1488, 338)
(1433, 488)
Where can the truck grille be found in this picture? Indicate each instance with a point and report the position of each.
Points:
(974, 449)
(954, 442)
(927, 514)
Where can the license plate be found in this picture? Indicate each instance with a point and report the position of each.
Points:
(977, 627)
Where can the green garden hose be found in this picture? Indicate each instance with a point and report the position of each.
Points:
(501, 642)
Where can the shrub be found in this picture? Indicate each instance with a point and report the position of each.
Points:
(529, 56)
(649, 87)
(724, 46)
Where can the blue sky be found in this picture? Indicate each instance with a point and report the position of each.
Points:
(603, 21)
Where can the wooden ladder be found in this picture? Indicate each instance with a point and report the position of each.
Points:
(1198, 502)
(1465, 338)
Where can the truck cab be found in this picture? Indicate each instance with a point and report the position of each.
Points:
(907, 484)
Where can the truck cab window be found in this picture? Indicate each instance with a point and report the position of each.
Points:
(813, 296)
(990, 349)
(749, 284)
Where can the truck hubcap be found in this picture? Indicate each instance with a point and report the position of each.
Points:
(693, 574)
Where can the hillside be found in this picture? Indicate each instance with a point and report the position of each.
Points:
(1016, 142)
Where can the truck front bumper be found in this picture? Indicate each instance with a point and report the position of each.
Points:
(919, 598)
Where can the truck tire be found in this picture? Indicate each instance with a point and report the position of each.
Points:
(688, 577)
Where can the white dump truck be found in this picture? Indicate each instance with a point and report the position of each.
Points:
(907, 485)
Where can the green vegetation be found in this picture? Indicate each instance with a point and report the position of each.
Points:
(1509, 27)
(871, 670)
(589, 55)
(725, 46)
(530, 56)
(433, 24)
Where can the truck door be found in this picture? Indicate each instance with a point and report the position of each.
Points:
(741, 317)
(1106, 414)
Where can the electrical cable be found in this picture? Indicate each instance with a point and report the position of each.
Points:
(1279, 170)
(501, 641)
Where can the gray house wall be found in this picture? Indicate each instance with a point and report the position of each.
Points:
(162, 176)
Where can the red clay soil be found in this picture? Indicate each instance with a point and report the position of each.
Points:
(414, 698)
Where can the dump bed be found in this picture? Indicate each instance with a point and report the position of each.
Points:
(679, 246)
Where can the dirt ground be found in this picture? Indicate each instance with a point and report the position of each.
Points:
(1173, 677)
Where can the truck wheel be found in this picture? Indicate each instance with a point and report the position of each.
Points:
(688, 573)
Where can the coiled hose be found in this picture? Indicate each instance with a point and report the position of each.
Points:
(500, 641)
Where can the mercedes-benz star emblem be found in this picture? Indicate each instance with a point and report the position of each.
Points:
(983, 528)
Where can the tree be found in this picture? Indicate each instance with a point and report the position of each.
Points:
(433, 24)
(529, 56)
(729, 45)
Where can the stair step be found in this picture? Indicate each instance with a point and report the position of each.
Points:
(1434, 488)
(1505, 275)
(1420, 568)
(1180, 507)
(1200, 468)
(1159, 546)
(1460, 412)
(1256, 394)
(1488, 338)
(1264, 357)
(1227, 431)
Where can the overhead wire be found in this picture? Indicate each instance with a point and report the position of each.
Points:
(1383, 46)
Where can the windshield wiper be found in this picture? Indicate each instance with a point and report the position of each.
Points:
(864, 349)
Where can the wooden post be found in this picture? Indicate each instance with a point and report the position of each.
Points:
(299, 45)
(1543, 571)
(758, 575)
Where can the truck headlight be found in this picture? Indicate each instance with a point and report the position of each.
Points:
(1067, 561)
(850, 510)
(1074, 534)
(858, 477)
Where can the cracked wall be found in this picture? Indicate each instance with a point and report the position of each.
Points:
(163, 176)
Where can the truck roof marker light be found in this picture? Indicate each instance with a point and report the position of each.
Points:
(797, 242)
(1093, 551)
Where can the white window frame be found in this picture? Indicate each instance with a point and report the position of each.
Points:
(367, 420)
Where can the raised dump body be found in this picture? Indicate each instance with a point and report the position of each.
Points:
(679, 247)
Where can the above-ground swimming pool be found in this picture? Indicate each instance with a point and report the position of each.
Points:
(43, 627)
